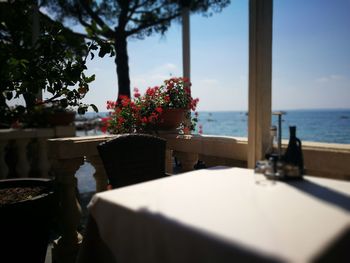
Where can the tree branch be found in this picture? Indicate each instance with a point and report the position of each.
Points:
(50, 20)
(133, 9)
(97, 19)
(123, 16)
(159, 21)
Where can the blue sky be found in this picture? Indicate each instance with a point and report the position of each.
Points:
(311, 58)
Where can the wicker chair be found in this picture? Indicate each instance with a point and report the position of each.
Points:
(133, 158)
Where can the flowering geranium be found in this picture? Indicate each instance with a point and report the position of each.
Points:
(143, 112)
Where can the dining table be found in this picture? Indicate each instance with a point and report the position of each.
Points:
(220, 214)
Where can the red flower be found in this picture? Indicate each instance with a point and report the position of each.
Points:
(159, 110)
(136, 93)
(167, 98)
(186, 130)
(170, 86)
(150, 92)
(122, 97)
(125, 101)
(105, 120)
(186, 80)
(121, 120)
(103, 129)
(105, 124)
(111, 104)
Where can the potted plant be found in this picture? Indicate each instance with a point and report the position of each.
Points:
(162, 107)
(27, 209)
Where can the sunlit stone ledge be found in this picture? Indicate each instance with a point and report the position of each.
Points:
(321, 159)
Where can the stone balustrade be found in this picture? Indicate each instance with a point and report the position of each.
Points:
(24, 152)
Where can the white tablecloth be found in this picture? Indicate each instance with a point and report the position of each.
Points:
(222, 214)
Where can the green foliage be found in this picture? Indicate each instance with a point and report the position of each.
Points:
(54, 64)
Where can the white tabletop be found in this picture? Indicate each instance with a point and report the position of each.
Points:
(221, 214)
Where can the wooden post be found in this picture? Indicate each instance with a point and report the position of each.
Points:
(260, 68)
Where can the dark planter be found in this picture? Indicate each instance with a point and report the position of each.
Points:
(25, 226)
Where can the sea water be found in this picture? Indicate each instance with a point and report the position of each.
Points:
(331, 126)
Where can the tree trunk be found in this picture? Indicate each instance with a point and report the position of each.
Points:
(122, 63)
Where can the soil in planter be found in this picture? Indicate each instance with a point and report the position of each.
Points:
(19, 194)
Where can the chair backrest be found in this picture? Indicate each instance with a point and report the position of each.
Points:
(133, 158)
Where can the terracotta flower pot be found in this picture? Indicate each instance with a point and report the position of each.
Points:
(170, 119)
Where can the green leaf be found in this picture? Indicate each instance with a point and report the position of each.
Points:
(93, 47)
(81, 110)
(64, 103)
(89, 32)
(9, 95)
(20, 109)
(93, 106)
(90, 79)
(105, 48)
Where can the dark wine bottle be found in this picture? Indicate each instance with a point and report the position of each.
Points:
(294, 154)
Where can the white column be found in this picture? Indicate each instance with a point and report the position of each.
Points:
(186, 57)
(23, 166)
(3, 166)
(260, 67)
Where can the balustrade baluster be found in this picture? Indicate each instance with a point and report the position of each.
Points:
(23, 165)
(187, 160)
(100, 173)
(43, 162)
(66, 247)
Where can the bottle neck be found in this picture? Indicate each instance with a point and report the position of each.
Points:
(292, 132)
